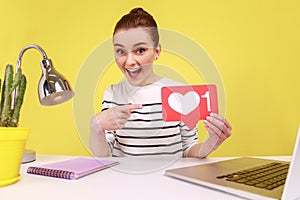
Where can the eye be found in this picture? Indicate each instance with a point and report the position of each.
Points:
(140, 50)
(120, 52)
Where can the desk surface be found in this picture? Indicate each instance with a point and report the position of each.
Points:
(112, 183)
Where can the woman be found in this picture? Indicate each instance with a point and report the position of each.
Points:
(130, 123)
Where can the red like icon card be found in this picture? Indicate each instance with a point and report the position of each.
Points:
(189, 103)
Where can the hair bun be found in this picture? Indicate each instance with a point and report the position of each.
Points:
(138, 11)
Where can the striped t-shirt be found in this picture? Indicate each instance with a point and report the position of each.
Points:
(145, 133)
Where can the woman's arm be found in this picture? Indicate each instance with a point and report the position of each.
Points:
(98, 143)
(202, 150)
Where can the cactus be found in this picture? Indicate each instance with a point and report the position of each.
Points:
(6, 94)
(18, 103)
(17, 80)
(9, 114)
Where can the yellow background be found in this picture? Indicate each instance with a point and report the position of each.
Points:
(255, 46)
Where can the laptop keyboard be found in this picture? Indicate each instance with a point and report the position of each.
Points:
(268, 176)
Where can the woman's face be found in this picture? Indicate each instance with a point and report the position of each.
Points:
(134, 54)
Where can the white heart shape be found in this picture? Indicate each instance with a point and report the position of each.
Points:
(184, 104)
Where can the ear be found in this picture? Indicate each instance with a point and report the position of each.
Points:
(157, 51)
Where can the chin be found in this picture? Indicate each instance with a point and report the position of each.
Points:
(134, 83)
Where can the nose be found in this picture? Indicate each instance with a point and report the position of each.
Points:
(130, 60)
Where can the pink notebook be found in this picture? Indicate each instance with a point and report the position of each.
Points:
(71, 169)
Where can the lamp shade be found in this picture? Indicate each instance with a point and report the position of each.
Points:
(53, 88)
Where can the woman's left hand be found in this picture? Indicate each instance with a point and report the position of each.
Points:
(219, 130)
(217, 125)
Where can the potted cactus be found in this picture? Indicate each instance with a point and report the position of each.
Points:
(12, 137)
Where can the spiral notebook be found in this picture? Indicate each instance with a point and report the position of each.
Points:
(71, 169)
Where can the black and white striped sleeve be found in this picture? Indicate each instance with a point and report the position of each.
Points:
(189, 137)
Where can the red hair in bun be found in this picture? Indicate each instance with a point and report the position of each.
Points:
(139, 18)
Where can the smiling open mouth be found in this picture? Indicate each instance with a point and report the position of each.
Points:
(134, 72)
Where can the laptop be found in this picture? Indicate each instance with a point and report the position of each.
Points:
(242, 176)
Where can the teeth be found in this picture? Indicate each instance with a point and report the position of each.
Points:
(133, 70)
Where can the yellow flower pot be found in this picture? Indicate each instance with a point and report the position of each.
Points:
(12, 144)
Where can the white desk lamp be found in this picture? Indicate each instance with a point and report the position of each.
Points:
(53, 88)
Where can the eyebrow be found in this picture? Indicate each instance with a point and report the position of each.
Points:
(137, 44)
(119, 45)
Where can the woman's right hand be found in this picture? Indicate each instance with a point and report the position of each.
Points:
(115, 118)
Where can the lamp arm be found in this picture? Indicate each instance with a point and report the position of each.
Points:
(31, 46)
(18, 65)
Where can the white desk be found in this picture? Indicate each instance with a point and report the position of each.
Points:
(111, 184)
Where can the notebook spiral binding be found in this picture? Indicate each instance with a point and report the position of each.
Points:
(51, 172)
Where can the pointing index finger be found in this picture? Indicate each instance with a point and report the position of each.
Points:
(134, 106)
(128, 108)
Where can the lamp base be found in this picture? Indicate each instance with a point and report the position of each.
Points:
(29, 155)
